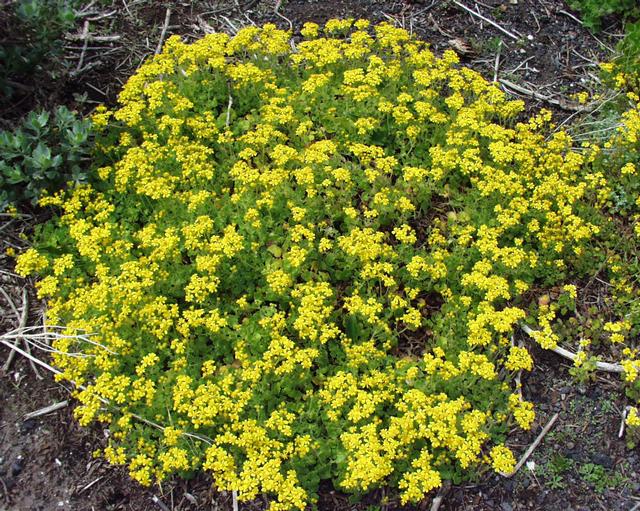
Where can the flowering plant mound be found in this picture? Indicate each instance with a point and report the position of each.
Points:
(306, 262)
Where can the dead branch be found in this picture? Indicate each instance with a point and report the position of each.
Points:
(163, 34)
(30, 357)
(532, 447)
(624, 414)
(46, 410)
(601, 366)
(22, 321)
(43, 364)
(234, 497)
(85, 33)
(487, 20)
(561, 103)
(89, 37)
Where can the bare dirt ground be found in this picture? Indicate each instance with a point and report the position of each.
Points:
(539, 51)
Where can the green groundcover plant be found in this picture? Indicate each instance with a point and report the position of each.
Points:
(306, 262)
(43, 154)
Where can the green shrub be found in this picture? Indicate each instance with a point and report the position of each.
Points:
(32, 40)
(306, 264)
(42, 155)
(593, 11)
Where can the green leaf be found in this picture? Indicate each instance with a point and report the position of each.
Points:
(14, 175)
(275, 251)
(41, 156)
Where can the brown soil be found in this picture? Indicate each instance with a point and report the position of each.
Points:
(46, 463)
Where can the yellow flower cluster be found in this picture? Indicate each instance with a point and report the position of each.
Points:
(502, 459)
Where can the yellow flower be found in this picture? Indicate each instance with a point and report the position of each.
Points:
(633, 419)
(519, 359)
(30, 261)
(502, 459)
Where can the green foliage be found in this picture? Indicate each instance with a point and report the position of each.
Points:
(42, 154)
(33, 38)
(593, 11)
(629, 60)
(600, 478)
(554, 471)
(627, 65)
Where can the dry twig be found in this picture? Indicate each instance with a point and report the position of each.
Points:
(90, 484)
(22, 321)
(601, 366)
(487, 20)
(43, 364)
(11, 304)
(85, 36)
(532, 447)
(103, 15)
(561, 103)
(625, 412)
(30, 357)
(163, 34)
(276, 10)
(228, 120)
(90, 37)
(438, 28)
(496, 65)
(46, 410)
(234, 29)
(234, 497)
(159, 503)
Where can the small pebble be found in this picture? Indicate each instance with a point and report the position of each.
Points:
(574, 454)
(27, 426)
(603, 459)
(17, 466)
